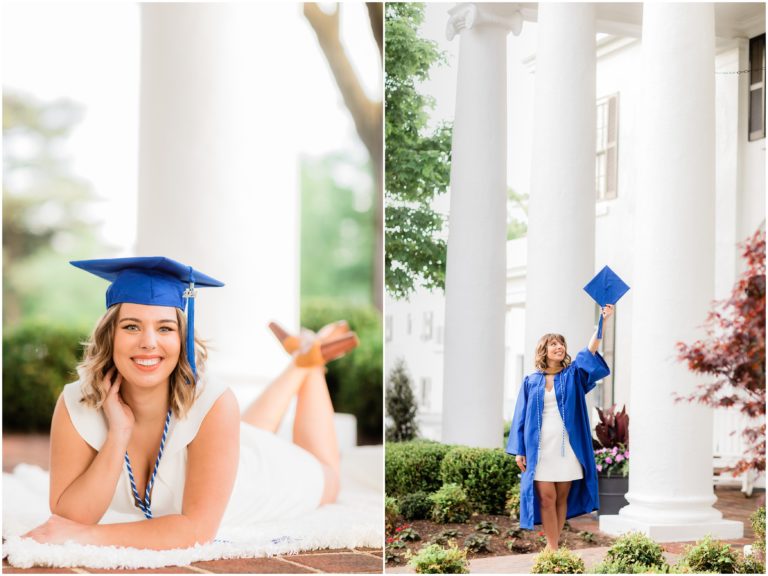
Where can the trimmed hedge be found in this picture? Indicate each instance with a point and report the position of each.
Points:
(413, 466)
(37, 362)
(416, 506)
(354, 381)
(486, 474)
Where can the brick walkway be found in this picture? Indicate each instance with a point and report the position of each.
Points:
(33, 449)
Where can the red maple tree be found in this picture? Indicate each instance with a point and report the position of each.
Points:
(734, 353)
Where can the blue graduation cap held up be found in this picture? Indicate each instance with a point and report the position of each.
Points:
(154, 281)
(605, 288)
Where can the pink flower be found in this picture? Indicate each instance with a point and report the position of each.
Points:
(615, 449)
(608, 460)
(599, 468)
(626, 454)
(619, 458)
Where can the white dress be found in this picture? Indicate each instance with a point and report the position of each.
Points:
(275, 478)
(552, 465)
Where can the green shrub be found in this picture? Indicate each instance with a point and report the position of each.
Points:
(450, 504)
(512, 505)
(413, 466)
(485, 473)
(618, 567)
(561, 561)
(401, 405)
(416, 506)
(446, 537)
(758, 527)
(487, 527)
(709, 555)
(635, 548)
(681, 568)
(408, 534)
(390, 513)
(37, 362)
(477, 543)
(433, 559)
(354, 381)
(750, 564)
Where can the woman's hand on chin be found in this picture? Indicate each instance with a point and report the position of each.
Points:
(58, 530)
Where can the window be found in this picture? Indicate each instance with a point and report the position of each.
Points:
(426, 393)
(426, 333)
(607, 159)
(388, 328)
(757, 88)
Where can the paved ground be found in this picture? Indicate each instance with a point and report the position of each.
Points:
(730, 501)
(33, 449)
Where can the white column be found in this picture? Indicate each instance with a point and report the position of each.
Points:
(561, 214)
(218, 170)
(476, 268)
(670, 480)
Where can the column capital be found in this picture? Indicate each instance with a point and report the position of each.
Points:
(468, 15)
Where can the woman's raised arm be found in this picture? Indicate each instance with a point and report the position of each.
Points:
(83, 481)
(606, 313)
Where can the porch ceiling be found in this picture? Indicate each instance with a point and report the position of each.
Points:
(732, 19)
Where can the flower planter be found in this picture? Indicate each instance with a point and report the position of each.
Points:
(612, 490)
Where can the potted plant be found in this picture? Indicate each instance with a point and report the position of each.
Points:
(612, 459)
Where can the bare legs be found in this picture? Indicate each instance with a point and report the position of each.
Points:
(313, 427)
(553, 497)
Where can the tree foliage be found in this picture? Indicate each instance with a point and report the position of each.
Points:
(417, 159)
(401, 405)
(734, 353)
(517, 214)
(45, 210)
(336, 228)
(366, 112)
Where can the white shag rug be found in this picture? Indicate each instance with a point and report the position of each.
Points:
(355, 520)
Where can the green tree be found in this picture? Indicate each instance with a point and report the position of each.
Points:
(417, 159)
(401, 405)
(517, 205)
(45, 211)
(336, 229)
(366, 112)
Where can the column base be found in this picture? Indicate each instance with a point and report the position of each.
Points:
(616, 525)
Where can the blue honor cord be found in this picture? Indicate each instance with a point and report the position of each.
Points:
(144, 505)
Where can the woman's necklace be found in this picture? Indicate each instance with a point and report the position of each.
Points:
(144, 505)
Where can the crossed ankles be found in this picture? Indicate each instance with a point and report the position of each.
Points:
(311, 349)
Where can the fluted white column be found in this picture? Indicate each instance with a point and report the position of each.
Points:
(670, 481)
(476, 267)
(218, 171)
(561, 214)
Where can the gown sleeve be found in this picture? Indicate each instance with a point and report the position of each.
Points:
(589, 368)
(516, 442)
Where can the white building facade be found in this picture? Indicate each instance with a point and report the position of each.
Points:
(673, 180)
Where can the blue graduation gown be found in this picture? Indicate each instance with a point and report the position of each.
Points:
(571, 385)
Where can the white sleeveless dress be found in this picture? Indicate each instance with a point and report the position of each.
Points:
(553, 466)
(276, 479)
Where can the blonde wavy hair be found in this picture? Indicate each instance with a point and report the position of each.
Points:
(540, 359)
(97, 361)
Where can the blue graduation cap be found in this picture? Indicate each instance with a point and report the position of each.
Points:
(154, 281)
(605, 288)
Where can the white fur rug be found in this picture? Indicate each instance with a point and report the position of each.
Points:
(355, 520)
